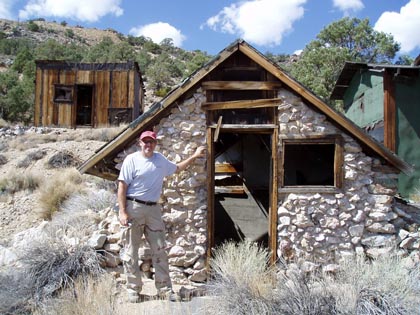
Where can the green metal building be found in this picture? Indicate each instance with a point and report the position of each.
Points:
(384, 100)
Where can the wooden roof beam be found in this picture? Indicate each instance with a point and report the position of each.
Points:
(241, 85)
(242, 104)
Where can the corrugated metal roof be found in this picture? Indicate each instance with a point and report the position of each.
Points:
(351, 68)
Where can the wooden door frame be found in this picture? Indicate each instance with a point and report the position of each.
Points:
(273, 193)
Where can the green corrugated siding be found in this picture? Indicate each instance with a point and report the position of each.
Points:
(363, 100)
(408, 132)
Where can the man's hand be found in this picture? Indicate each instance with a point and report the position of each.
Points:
(199, 152)
(124, 218)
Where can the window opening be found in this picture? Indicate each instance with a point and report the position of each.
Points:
(63, 93)
(309, 164)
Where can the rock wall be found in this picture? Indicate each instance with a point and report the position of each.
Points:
(359, 218)
(184, 195)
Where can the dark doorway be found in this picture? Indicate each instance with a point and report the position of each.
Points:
(84, 105)
(242, 188)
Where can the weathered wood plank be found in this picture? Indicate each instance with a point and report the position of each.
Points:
(390, 112)
(38, 97)
(241, 85)
(260, 103)
(210, 195)
(272, 229)
(229, 190)
(245, 128)
(224, 168)
(216, 134)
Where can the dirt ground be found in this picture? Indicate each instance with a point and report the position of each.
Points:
(17, 211)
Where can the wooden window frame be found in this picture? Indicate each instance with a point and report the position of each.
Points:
(337, 141)
(69, 93)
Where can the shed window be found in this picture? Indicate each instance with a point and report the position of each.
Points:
(312, 163)
(63, 93)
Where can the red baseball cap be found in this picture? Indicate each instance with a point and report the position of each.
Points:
(148, 134)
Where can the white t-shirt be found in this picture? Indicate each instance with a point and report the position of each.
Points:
(144, 176)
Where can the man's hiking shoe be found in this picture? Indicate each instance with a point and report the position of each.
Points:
(132, 296)
(169, 296)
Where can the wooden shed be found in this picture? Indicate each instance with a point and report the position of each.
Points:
(282, 168)
(69, 94)
(384, 100)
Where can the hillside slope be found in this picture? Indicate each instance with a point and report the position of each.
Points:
(30, 152)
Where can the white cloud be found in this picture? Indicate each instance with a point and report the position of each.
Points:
(158, 32)
(6, 9)
(404, 26)
(89, 11)
(262, 22)
(348, 5)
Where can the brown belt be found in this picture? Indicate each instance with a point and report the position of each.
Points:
(147, 203)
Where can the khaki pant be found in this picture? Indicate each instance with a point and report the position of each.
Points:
(145, 220)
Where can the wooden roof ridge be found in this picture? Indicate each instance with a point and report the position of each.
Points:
(89, 66)
(131, 132)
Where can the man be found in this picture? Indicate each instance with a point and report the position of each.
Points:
(139, 188)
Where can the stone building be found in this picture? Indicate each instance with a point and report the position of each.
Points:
(282, 168)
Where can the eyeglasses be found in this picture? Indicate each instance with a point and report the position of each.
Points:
(148, 141)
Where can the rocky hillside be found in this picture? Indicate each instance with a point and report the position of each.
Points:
(61, 32)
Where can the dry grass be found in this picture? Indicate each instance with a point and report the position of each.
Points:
(242, 280)
(31, 157)
(95, 200)
(86, 296)
(47, 268)
(3, 159)
(104, 134)
(63, 159)
(13, 182)
(29, 141)
(415, 197)
(55, 191)
(3, 146)
(385, 286)
(3, 123)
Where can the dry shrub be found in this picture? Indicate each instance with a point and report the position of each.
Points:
(15, 293)
(3, 123)
(46, 269)
(299, 293)
(3, 146)
(104, 134)
(95, 200)
(63, 159)
(86, 296)
(13, 183)
(242, 279)
(387, 285)
(30, 141)
(79, 214)
(31, 157)
(56, 190)
(3, 159)
(415, 196)
(53, 265)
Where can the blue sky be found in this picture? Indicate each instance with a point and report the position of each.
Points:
(276, 26)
